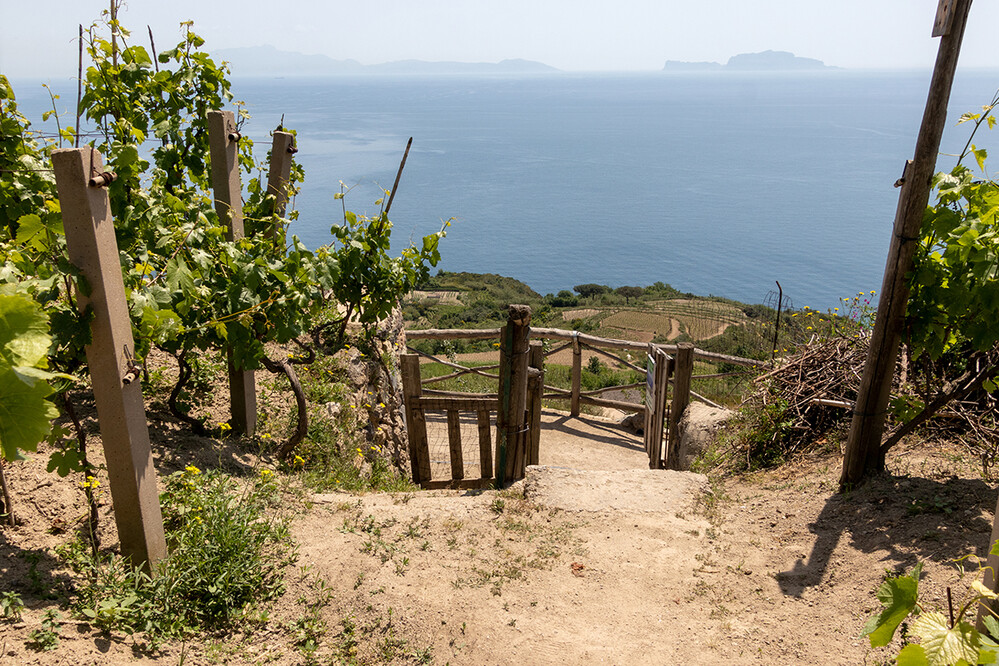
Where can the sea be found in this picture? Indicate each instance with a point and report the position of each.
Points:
(717, 183)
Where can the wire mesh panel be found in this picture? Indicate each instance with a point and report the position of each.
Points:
(460, 444)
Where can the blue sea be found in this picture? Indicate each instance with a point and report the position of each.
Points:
(716, 183)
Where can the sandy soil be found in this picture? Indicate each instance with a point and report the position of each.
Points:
(594, 559)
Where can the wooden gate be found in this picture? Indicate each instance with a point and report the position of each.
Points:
(659, 368)
(514, 410)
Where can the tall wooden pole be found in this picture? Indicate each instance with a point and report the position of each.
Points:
(511, 419)
(684, 369)
(223, 144)
(864, 455)
(93, 249)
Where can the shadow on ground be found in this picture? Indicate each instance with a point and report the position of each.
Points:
(908, 519)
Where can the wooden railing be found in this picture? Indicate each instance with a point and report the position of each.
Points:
(683, 372)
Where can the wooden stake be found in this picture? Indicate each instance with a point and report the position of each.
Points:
(536, 390)
(864, 456)
(223, 143)
(684, 369)
(416, 424)
(577, 374)
(511, 418)
(282, 148)
(454, 444)
(93, 249)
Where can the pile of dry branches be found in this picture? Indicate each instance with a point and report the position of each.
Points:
(815, 390)
(819, 384)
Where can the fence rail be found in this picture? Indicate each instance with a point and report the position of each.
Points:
(578, 342)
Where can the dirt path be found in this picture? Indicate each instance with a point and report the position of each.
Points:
(603, 562)
(774, 569)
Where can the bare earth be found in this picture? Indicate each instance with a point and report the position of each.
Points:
(593, 560)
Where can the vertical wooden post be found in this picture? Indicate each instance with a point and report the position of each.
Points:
(511, 418)
(416, 424)
(485, 446)
(660, 368)
(93, 249)
(454, 444)
(536, 389)
(684, 369)
(223, 143)
(282, 148)
(577, 374)
(863, 447)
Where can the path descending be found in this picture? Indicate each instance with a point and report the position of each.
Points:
(606, 562)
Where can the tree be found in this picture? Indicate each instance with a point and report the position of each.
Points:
(629, 293)
(590, 290)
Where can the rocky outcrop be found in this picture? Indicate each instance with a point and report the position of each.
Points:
(698, 428)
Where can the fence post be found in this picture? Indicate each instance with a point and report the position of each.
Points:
(684, 369)
(536, 389)
(863, 455)
(577, 374)
(511, 417)
(93, 249)
(282, 148)
(416, 424)
(223, 143)
(657, 382)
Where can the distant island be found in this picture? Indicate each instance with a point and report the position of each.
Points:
(269, 61)
(765, 61)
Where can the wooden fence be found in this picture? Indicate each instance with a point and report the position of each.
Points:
(679, 374)
(516, 405)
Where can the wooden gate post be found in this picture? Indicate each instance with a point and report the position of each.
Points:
(577, 374)
(93, 249)
(416, 423)
(684, 368)
(223, 143)
(511, 417)
(659, 369)
(863, 454)
(536, 389)
(282, 148)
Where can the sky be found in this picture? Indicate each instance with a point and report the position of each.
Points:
(37, 38)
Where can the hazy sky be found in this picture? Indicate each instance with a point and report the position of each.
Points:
(37, 37)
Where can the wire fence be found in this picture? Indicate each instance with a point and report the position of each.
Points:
(440, 447)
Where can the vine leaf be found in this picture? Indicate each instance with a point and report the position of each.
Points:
(24, 343)
(898, 595)
(912, 654)
(24, 413)
(944, 645)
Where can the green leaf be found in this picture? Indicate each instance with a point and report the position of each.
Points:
(24, 336)
(946, 646)
(912, 654)
(31, 232)
(980, 155)
(25, 414)
(898, 595)
(64, 462)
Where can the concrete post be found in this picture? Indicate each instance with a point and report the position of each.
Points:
(223, 143)
(93, 249)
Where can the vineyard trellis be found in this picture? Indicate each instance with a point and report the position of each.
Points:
(190, 283)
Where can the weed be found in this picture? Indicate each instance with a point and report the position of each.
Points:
(47, 637)
(227, 553)
(11, 606)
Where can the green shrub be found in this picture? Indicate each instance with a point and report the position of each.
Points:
(227, 553)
